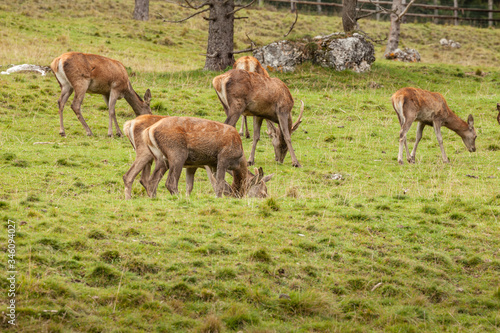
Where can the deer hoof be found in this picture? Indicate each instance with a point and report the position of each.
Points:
(250, 162)
(297, 165)
(411, 160)
(401, 162)
(62, 134)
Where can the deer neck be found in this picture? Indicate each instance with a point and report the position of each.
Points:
(137, 104)
(457, 125)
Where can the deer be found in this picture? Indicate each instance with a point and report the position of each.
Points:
(252, 94)
(250, 64)
(187, 136)
(95, 74)
(428, 108)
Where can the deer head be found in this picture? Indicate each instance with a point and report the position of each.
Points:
(469, 136)
(254, 185)
(279, 143)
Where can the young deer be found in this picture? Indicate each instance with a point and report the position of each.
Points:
(183, 136)
(249, 64)
(95, 74)
(251, 94)
(428, 108)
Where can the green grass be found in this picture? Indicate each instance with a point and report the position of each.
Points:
(387, 248)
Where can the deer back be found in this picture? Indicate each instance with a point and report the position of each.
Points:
(250, 64)
(202, 141)
(104, 73)
(133, 128)
(262, 96)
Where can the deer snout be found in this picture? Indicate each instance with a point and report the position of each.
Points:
(472, 149)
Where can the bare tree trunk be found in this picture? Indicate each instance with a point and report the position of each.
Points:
(455, 11)
(393, 42)
(293, 6)
(436, 12)
(220, 35)
(141, 10)
(319, 7)
(349, 22)
(490, 13)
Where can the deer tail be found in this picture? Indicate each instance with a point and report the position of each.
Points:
(398, 102)
(128, 129)
(149, 138)
(219, 83)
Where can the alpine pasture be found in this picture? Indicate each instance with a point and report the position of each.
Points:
(350, 242)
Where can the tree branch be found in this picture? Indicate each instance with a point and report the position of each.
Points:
(197, 7)
(400, 16)
(243, 51)
(213, 55)
(187, 18)
(291, 28)
(242, 7)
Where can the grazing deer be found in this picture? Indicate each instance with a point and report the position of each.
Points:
(185, 136)
(249, 64)
(95, 74)
(251, 94)
(428, 108)
(498, 117)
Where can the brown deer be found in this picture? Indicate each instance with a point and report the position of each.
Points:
(428, 108)
(186, 136)
(249, 64)
(95, 74)
(252, 94)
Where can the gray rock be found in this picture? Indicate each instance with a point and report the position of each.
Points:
(353, 53)
(280, 56)
(334, 51)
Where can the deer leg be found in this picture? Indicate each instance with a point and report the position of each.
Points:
(190, 179)
(66, 92)
(420, 130)
(140, 162)
(285, 126)
(257, 123)
(146, 176)
(175, 163)
(220, 174)
(437, 130)
(405, 127)
(113, 97)
(244, 128)
(161, 166)
(77, 104)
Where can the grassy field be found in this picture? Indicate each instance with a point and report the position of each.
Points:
(387, 248)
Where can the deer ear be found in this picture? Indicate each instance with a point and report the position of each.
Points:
(498, 107)
(272, 131)
(147, 97)
(470, 121)
(267, 178)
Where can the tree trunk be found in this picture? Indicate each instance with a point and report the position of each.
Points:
(141, 10)
(393, 42)
(349, 22)
(220, 35)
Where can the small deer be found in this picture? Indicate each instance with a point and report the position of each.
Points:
(428, 108)
(249, 64)
(178, 137)
(252, 94)
(95, 74)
